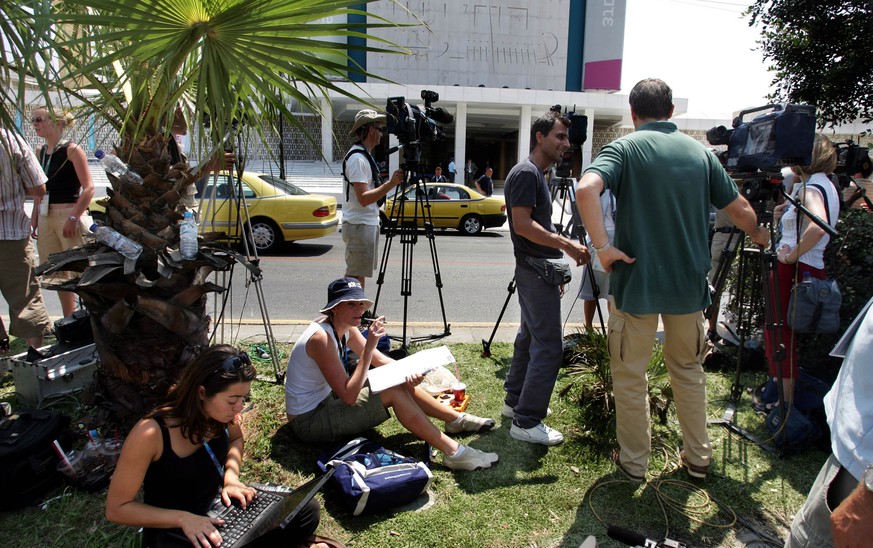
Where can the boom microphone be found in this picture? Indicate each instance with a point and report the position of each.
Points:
(632, 538)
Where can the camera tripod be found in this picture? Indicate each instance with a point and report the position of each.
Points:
(401, 222)
(238, 219)
(766, 281)
(563, 190)
(761, 285)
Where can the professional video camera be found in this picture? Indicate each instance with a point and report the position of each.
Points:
(578, 136)
(758, 149)
(415, 126)
(851, 159)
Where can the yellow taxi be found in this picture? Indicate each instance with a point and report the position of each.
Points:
(279, 211)
(448, 206)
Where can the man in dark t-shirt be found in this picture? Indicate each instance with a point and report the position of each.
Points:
(484, 184)
(538, 345)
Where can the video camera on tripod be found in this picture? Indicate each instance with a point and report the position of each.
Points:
(416, 126)
(578, 135)
(851, 159)
(758, 149)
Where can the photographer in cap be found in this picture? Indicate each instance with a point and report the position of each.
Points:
(364, 190)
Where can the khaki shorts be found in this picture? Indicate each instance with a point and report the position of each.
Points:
(52, 240)
(362, 249)
(333, 420)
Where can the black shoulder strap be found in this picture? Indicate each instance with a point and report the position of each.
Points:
(377, 179)
(824, 196)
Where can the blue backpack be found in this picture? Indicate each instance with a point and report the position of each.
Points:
(370, 478)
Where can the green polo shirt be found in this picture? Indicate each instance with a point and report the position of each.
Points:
(664, 183)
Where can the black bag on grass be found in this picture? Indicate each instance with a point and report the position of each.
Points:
(28, 461)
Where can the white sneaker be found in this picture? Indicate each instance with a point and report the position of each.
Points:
(468, 423)
(537, 434)
(468, 458)
(509, 412)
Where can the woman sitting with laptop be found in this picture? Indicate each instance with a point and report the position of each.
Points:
(326, 400)
(185, 451)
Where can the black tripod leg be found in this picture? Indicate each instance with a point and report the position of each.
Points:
(721, 273)
(595, 291)
(486, 345)
(743, 328)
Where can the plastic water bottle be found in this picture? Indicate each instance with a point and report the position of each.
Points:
(188, 236)
(116, 241)
(115, 166)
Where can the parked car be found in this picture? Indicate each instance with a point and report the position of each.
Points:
(278, 210)
(449, 206)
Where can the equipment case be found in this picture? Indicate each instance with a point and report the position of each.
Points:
(69, 368)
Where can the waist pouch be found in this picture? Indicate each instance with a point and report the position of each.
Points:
(552, 271)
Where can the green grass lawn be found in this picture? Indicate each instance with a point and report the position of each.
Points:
(535, 496)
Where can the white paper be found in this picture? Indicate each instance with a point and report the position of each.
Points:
(395, 373)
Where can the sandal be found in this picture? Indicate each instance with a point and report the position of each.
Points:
(615, 457)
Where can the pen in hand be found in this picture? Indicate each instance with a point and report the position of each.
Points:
(371, 320)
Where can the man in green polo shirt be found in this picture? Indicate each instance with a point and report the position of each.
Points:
(664, 183)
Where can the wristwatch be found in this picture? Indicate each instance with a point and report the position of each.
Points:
(73, 218)
(868, 477)
(602, 248)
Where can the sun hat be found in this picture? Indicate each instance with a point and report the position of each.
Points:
(364, 117)
(343, 290)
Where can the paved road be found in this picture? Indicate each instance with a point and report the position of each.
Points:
(475, 274)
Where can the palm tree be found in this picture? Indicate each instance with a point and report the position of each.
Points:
(229, 63)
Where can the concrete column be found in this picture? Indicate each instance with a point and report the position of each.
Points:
(524, 133)
(326, 130)
(589, 142)
(460, 141)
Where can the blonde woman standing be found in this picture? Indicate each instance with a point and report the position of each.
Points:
(68, 193)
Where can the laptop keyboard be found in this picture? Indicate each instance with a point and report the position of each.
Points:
(238, 521)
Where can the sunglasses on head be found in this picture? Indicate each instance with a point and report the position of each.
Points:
(234, 363)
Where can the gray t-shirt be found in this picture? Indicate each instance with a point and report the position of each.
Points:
(526, 186)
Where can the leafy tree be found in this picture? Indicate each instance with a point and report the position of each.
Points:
(820, 51)
(230, 65)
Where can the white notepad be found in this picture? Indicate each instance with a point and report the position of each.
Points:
(395, 373)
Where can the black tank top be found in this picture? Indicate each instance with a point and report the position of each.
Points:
(188, 483)
(63, 184)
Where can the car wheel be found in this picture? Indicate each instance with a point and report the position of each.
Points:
(471, 225)
(383, 223)
(265, 235)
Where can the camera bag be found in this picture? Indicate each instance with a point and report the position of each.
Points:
(782, 137)
(370, 478)
(74, 328)
(27, 458)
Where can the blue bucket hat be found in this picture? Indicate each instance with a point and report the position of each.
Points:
(342, 290)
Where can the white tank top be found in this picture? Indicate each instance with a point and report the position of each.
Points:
(305, 386)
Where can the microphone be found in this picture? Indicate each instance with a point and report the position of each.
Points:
(632, 538)
(392, 150)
